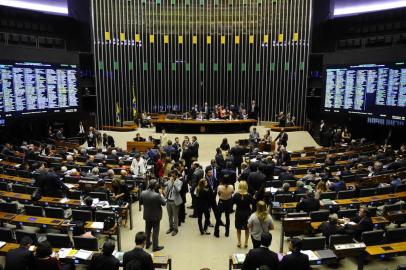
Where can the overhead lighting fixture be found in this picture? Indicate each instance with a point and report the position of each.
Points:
(369, 8)
(35, 6)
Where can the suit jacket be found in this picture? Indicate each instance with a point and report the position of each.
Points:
(295, 260)
(253, 112)
(172, 191)
(19, 258)
(255, 181)
(103, 262)
(153, 203)
(328, 229)
(363, 225)
(284, 158)
(194, 146)
(141, 256)
(220, 161)
(261, 256)
(237, 152)
(283, 137)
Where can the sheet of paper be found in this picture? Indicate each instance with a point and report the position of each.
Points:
(64, 252)
(2, 244)
(97, 225)
(84, 254)
(64, 200)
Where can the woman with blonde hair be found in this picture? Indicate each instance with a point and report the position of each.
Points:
(260, 222)
(244, 202)
(320, 188)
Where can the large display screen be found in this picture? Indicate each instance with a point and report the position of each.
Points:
(29, 88)
(373, 90)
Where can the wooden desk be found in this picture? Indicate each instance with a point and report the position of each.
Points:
(37, 221)
(6, 216)
(398, 216)
(7, 247)
(16, 179)
(377, 221)
(205, 126)
(392, 249)
(8, 163)
(43, 201)
(140, 146)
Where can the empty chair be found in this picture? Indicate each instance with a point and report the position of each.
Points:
(347, 213)
(59, 240)
(19, 188)
(372, 238)
(313, 243)
(346, 194)
(74, 194)
(296, 215)
(81, 215)
(400, 188)
(6, 235)
(85, 243)
(319, 216)
(384, 190)
(4, 186)
(284, 198)
(348, 178)
(54, 212)
(395, 235)
(20, 234)
(328, 195)
(338, 239)
(366, 192)
(33, 210)
(100, 195)
(9, 208)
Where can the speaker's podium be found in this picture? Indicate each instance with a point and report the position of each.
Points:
(139, 146)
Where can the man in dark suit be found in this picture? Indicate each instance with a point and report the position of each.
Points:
(237, 152)
(152, 201)
(363, 223)
(20, 258)
(255, 180)
(308, 204)
(287, 175)
(138, 138)
(138, 256)
(296, 260)
(228, 173)
(194, 147)
(105, 260)
(253, 110)
(262, 256)
(187, 156)
(212, 184)
(329, 227)
(220, 159)
(283, 137)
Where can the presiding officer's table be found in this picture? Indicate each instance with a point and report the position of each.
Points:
(204, 126)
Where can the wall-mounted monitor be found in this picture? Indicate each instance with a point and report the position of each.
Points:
(33, 88)
(376, 91)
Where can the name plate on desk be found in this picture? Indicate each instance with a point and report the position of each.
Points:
(350, 246)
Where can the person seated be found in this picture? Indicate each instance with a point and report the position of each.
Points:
(69, 160)
(308, 204)
(296, 260)
(138, 257)
(59, 134)
(100, 154)
(262, 256)
(44, 260)
(120, 189)
(363, 223)
(330, 161)
(138, 138)
(94, 174)
(300, 189)
(20, 258)
(330, 227)
(243, 115)
(287, 175)
(146, 120)
(105, 260)
(336, 185)
(283, 157)
(90, 162)
(267, 137)
(284, 190)
(310, 175)
(346, 171)
(377, 169)
(114, 155)
(109, 175)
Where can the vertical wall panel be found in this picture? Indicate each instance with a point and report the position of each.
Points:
(145, 58)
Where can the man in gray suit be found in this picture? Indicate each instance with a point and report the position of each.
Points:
(152, 201)
(172, 193)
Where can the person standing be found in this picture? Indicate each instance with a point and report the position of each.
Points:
(164, 138)
(138, 165)
(152, 200)
(243, 200)
(20, 258)
(173, 188)
(138, 258)
(254, 138)
(203, 195)
(194, 147)
(237, 152)
(105, 260)
(283, 137)
(225, 205)
(259, 222)
(212, 185)
(253, 111)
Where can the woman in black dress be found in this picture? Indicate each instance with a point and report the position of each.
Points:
(203, 205)
(244, 202)
(224, 146)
